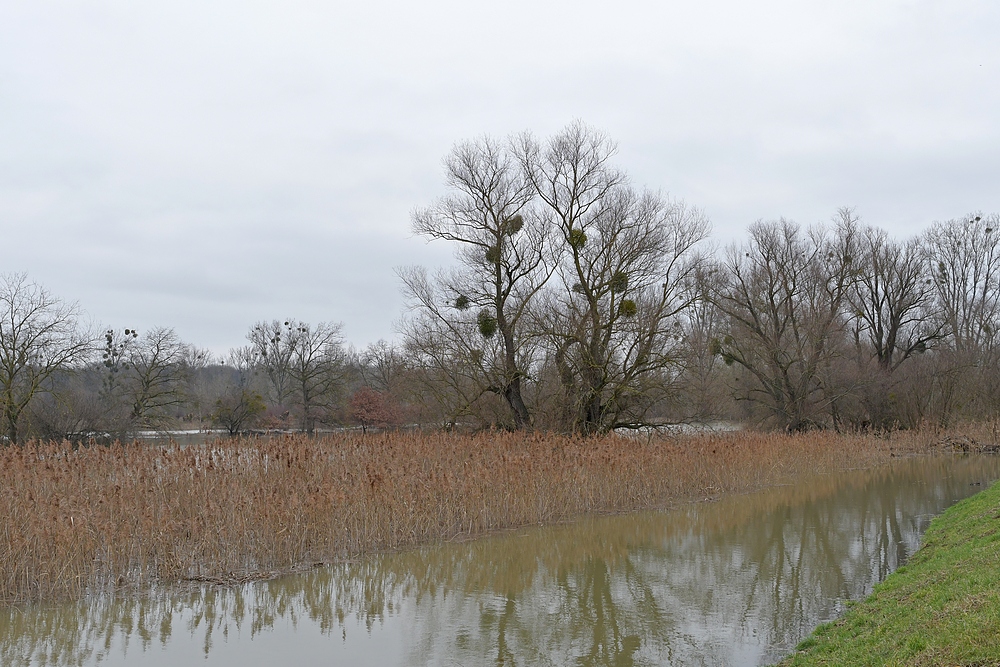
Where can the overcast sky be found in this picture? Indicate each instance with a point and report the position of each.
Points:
(204, 165)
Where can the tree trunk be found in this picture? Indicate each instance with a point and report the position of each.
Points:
(522, 418)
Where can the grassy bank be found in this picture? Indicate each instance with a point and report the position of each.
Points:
(93, 518)
(942, 608)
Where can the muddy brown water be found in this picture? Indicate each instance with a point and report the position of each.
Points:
(739, 581)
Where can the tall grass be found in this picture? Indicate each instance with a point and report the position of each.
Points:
(92, 518)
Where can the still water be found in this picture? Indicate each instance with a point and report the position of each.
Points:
(734, 582)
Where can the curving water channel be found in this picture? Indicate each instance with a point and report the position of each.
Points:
(734, 582)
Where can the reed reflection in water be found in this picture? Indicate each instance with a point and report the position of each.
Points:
(734, 582)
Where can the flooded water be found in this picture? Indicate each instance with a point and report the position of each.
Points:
(734, 582)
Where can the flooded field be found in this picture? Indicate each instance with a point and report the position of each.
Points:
(734, 582)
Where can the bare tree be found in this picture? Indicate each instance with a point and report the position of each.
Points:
(783, 298)
(201, 391)
(382, 367)
(39, 335)
(304, 365)
(891, 298)
(316, 368)
(704, 393)
(965, 262)
(147, 377)
(273, 352)
(625, 266)
(890, 305)
(501, 248)
(240, 405)
(964, 257)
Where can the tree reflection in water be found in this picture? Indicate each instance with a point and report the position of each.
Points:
(736, 582)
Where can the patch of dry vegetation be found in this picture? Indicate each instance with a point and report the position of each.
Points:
(94, 518)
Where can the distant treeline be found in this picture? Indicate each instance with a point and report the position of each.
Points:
(578, 303)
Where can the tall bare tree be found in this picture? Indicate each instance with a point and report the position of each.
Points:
(272, 349)
(317, 369)
(39, 335)
(704, 395)
(890, 307)
(783, 298)
(383, 366)
(627, 260)
(965, 262)
(891, 298)
(478, 309)
(964, 258)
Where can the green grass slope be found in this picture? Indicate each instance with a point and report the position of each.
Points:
(942, 608)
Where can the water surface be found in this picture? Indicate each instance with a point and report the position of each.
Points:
(734, 582)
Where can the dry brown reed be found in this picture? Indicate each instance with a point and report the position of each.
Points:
(91, 518)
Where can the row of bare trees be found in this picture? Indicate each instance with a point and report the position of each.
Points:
(581, 303)
(59, 378)
(577, 302)
(842, 324)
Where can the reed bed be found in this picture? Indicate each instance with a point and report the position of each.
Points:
(93, 518)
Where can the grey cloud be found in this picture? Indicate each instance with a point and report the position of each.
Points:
(204, 166)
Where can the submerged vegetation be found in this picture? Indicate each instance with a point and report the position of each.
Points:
(80, 519)
(639, 588)
(942, 608)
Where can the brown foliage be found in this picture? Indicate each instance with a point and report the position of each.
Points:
(95, 518)
(373, 408)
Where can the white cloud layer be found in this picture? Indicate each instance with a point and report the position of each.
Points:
(205, 165)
